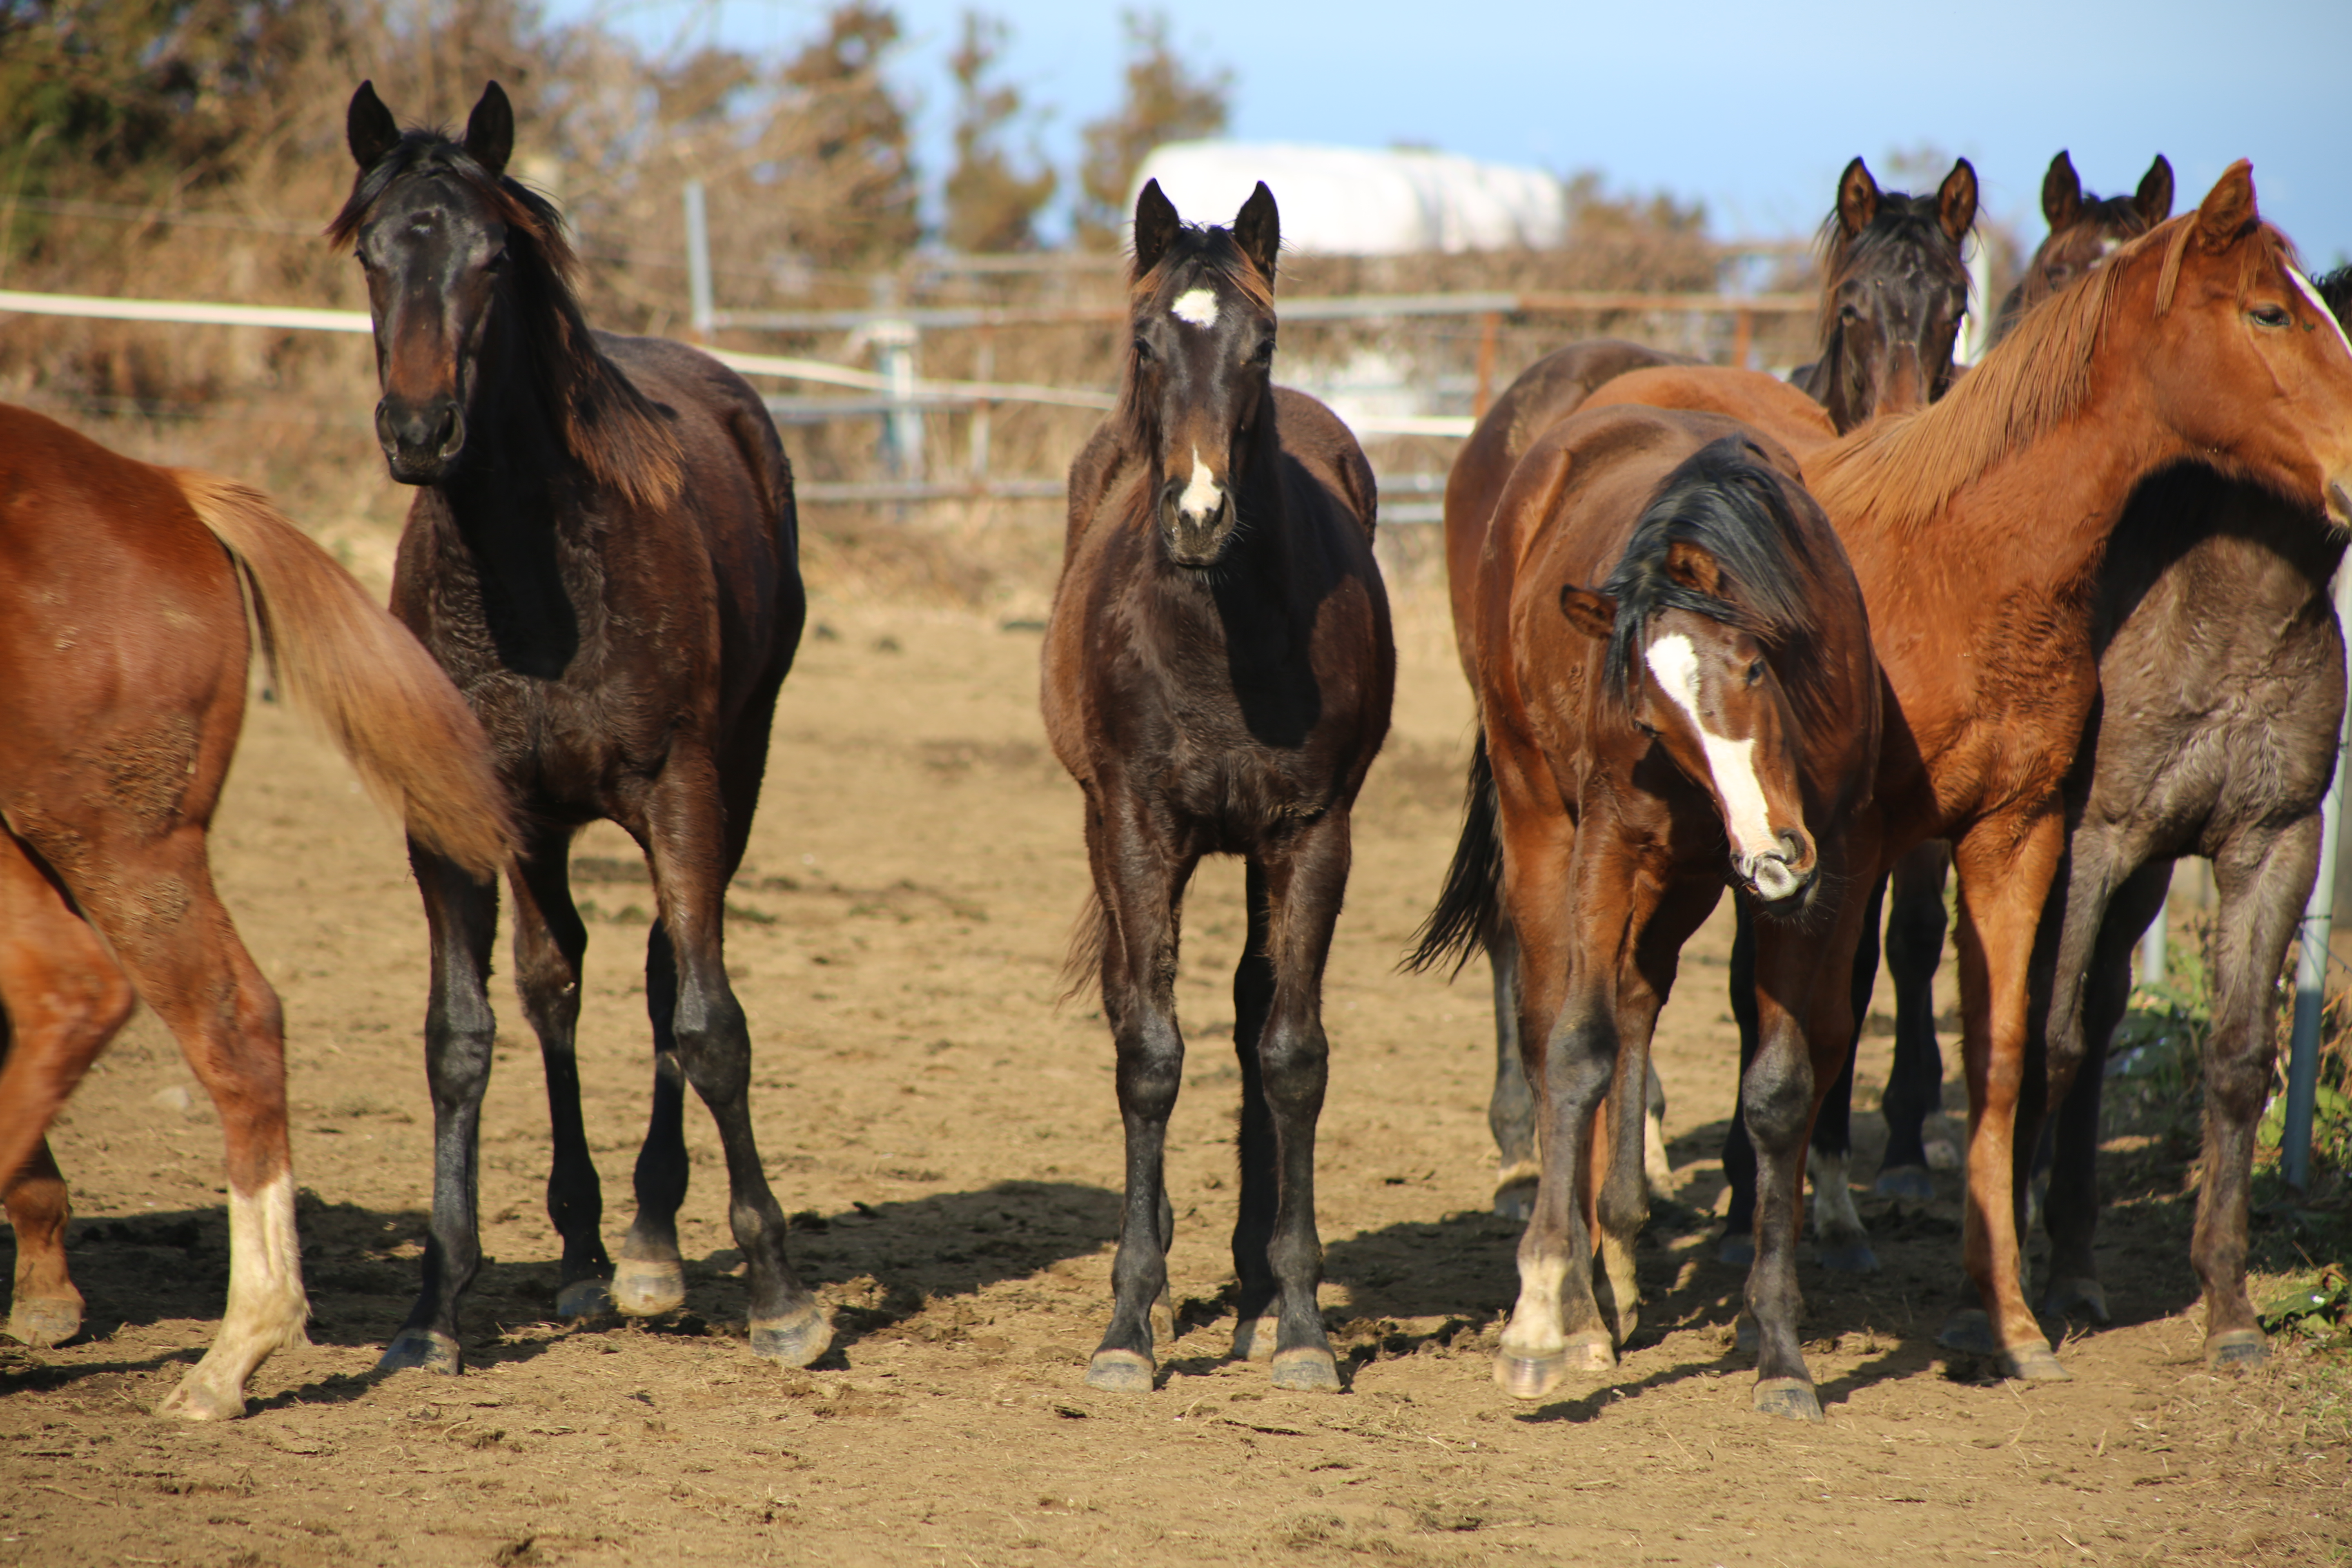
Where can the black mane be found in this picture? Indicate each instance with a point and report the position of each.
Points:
(1726, 500)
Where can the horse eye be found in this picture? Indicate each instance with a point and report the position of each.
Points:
(1142, 351)
(2270, 315)
(1263, 352)
(1848, 314)
(1755, 671)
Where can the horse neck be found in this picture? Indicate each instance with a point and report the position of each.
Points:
(506, 483)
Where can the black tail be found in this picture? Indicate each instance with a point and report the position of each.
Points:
(1470, 906)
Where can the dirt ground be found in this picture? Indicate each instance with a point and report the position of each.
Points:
(951, 1143)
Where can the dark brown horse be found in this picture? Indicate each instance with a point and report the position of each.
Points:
(603, 553)
(1977, 528)
(2085, 230)
(1894, 288)
(1217, 677)
(1711, 708)
(123, 650)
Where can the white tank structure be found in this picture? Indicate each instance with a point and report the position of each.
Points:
(1361, 201)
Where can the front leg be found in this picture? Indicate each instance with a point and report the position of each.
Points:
(2005, 865)
(45, 1308)
(1139, 878)
(1511, 1109)
(461, 914)
(1915, 1082)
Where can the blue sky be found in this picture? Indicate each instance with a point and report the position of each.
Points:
(1752, 108)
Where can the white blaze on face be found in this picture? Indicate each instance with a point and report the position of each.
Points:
(1202, 493)
(2320, 305)
(1732, 764)
(1196, 306)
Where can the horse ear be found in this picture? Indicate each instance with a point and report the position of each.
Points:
(1695, 569)
(2062, 194)
(1594, 615)
(1258, 228)
(2154, 197)
(490, 131)
(1857, 199)
(1155, 224)
(370, 128)
(2228, 210)
(1956, 203)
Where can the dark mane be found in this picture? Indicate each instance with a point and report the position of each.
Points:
(1902, 222)
(621, 435)
(1726, 500)
(1197, 253)
(2336, 289)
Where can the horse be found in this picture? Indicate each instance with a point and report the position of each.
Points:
(124, 595)
(1217, 675)
(1894, 289)
(1712, 708)
(2084, 231)
(602, 553)
(1977, 527)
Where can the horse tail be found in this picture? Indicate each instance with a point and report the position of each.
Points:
(1090, 935)
(1470, 906)
(349, 665)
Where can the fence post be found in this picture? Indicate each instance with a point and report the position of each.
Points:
(1489, 324)
(1743, 336)
(894, 354)
(2151, 943)
(984, 411)
(698, 262)
(2311, 968)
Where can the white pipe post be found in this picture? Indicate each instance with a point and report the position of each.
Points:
(698, 262)
(2152, 944)
(2311, 966)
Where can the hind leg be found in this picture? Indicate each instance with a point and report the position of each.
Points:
(61, 999)
(1915, 1083)
(1511, 1110)
(1837, 1225)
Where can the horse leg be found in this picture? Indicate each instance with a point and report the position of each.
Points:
(1737, 1247)
(2083, 1017)
(45, 1308)
(1139, 881)
(1511, 1110)
(2263, 882)
(1657, 1169)
(461, 915)
(1915, 1082)
(549, 944)
(1305, 880)
(1259, 1328)
(1837, 1225)
(2006, 866)
(688, 842)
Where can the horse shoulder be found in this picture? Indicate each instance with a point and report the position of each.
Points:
(1321, 443)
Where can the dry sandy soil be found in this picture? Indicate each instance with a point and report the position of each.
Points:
(951, 1142)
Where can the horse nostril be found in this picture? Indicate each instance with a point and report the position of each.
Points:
(1793, 847)
(452, 432)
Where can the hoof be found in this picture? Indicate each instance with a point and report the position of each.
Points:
(1848, 1258)
(648, 1290)
(424, 1350)
(1969, 1331)
(1163, 1320)
(1515, 1199)
(1789, 1398)
(1747, 1338)
(584, 1299)
(2032, 1363)
(199, 1399)
(1906, 1184)
(791, 1342)
(1254, 1338)
(1737, 1249)
(45, 1322)
(2066, 1295)
(1591, 1353)
(1119, 1371)
(1528, 1377)
(2236, 1350)
(1307, 1370)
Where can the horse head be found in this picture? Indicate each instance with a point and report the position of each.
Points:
(1896, 290)
(1202, 326)
(2084, 230)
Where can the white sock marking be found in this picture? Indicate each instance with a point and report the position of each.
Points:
(1197, 306)
(2320, 305)
(1732, 764)
(1202, 492)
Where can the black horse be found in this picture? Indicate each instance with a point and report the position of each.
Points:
(1218, 672)
(604, 554)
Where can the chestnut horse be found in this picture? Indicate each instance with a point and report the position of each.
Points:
(123, 649)
(1713, 706)
(1894, 289)
(603, 553)
(1977, 528)
(1218, 672)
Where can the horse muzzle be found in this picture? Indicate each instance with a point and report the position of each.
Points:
(420, 441)
(1783, 874)
(1197, 526)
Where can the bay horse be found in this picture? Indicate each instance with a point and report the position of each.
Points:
(1977, 528)
(1894, 291)
(123, 655)
(1711, 708)
(602, 553)
(1218, 670)
(2085, 230)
